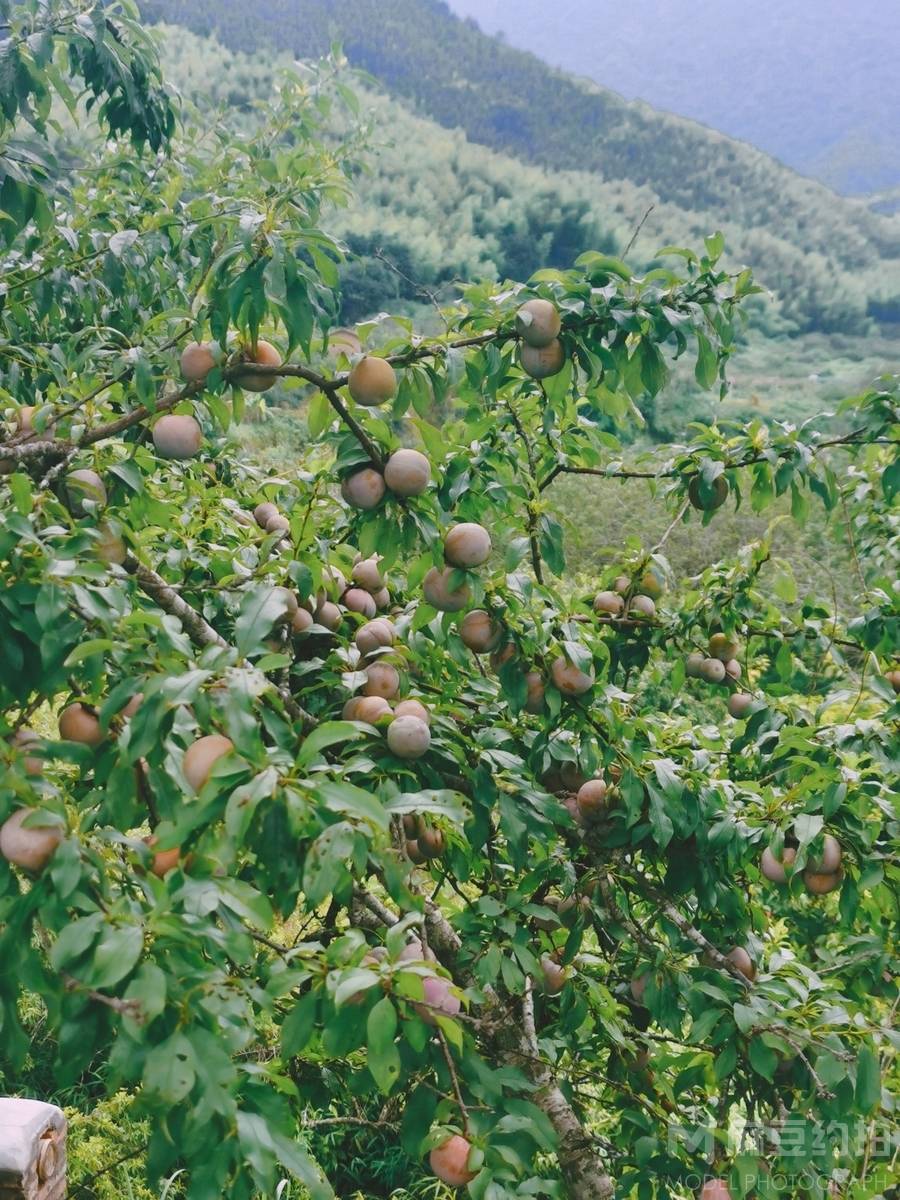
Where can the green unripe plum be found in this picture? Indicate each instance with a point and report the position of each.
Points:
(538, 323)
(372, 382)
(407, 473)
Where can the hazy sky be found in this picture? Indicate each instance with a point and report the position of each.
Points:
(801, 78)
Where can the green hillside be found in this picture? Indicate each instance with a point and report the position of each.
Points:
(831, 261)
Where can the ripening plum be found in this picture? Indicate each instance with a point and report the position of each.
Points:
(712, 670)
(78, 724)
(431, 843)
(820, 883)
(382, 599)
(693, 665)
(592, 798)
(374, 635)
(278, 524)
(413, 708)
(329, 615)
(301, 620)
(197, 360)
(738, 957)
(723, 647)
(449, 1161)
(554, 976)
(438, 593)
(177, 436)
(638, 987)
(382, 680)
(26, 742)
(439, 999)
(540, 362)
(538, 323)
(366, 708)
(479, 632)
(774, 868)
(622, 584)
(714, 1189)
(467, 545)
(29, 847)
(201, 756)
(569, 679)
(263, 513)
(372, 382)
(264, 355)
(163, 861)
(641, 606)
(893, 678)
(733, 669)
(366, 574)
(829, 860)
(651, 584)
(609, 602)
(84, 486)
(110, 547)
(739, 704)
(363, 489)
(408, 737)
(534, 692)
(718, 494)
(407, 473)
(359, 601)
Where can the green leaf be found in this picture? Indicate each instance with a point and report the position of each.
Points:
(169, 1069)
(332, 733)
(763, 1058)
(384, 1057)
(868, 1079)
(116, 955)
(299, 1024)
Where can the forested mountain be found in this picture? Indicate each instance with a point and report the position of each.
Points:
(597, 162)
(811, 82)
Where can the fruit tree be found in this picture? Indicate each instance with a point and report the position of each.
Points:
(357, 808)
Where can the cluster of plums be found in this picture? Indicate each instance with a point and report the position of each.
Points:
(720, 666)
(823, 873)
(628, 598)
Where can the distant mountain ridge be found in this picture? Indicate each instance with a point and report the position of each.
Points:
(509, 100)
(812, 82)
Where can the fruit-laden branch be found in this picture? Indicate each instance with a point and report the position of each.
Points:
(195, 624)
(515, 1039)
(850, 439)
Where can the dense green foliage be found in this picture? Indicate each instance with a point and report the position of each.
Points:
(827, 259)
(303, 991)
